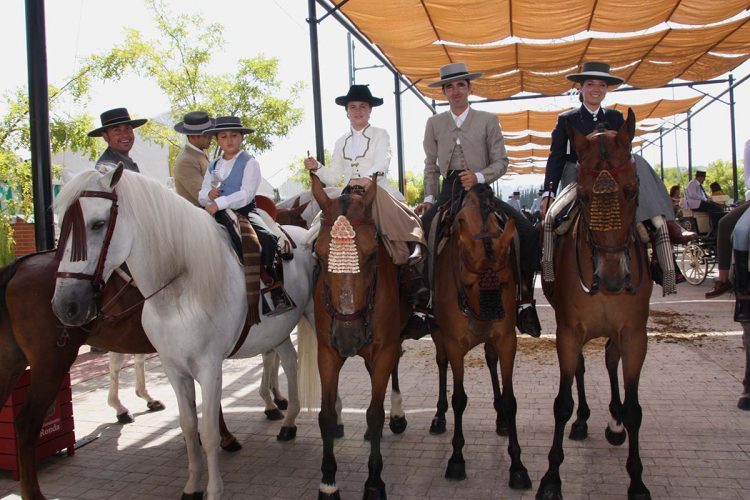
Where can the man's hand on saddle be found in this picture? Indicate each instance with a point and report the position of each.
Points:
(422, 208)
(468, 179)
(212, 208)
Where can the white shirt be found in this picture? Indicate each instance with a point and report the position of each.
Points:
(250, 184)
(201, 151)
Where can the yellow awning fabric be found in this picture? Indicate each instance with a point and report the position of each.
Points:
(420, 36)
(528, 139)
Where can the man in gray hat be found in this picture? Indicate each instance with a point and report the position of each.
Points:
(466, 147)
(190, 165)
(117, 131)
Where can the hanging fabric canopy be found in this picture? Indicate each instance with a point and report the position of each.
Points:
(527, 140)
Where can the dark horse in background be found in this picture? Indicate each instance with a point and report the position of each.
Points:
(602, 288)
(475, 303)
(358, 311)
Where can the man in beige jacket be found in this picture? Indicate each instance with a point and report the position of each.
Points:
(190, 165)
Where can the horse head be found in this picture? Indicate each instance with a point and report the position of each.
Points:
(347, 249)
(91, 244)
(482, 247)
(292, 216)
(608, 193)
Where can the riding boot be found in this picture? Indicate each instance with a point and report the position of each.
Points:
(421, 322)
(527, 319)
(741, 282)
(280, 300)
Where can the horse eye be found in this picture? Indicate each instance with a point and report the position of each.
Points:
(98, 225)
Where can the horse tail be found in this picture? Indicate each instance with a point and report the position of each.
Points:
(308, 378)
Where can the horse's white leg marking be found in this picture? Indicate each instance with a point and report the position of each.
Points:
(615, 427)
(396, 409)
(288, 356)
(210, 381)
(116, 361)
(339, 407)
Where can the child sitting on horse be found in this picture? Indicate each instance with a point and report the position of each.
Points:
(231, 182)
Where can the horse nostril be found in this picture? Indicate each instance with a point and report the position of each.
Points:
(71, 310)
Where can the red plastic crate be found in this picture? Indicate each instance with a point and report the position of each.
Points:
(57, 431)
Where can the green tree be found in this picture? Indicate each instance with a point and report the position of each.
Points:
(721, 171)
(298, 172)
(414, 188)
(177, 61)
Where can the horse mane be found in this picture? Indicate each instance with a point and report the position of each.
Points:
(186, 238)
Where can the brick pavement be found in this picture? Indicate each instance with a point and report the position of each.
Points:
(694, 442)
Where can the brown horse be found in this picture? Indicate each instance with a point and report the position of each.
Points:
(292, 216)
(475, 303)
(358, 310)
(31, 335)
(602, 289)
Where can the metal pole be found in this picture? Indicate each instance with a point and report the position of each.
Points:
(317, 111)
(41, 163)
(350, 58)
(399, 134)
(690, 149)
(735, 191)
(661, 159)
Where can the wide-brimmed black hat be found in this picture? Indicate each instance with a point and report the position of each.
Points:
(452, 72)
(227, 123)
(114, 117)
(595, 71)
(194, 123)
(700, 173)
(359, 93)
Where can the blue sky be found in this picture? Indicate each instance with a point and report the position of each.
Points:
(277, 28)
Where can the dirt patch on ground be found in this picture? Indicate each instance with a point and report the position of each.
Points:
(670, 321)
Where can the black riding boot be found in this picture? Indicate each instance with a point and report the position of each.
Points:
(527, 319)
(421, 322)
(280, 300)
(741, 288)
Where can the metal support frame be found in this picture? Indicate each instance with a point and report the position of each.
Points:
(41, 162)
(315, 66)
(399, 135)
(735, 193)
(661, 156)
(689, 145)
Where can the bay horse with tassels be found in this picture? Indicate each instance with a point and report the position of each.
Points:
(602, 288)
(358, 310)
(475, 303)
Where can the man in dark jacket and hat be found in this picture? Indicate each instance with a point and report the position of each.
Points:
(117, 131)
(190, 165)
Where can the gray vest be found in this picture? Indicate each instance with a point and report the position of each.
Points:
(458, 161)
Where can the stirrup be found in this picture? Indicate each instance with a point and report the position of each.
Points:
(279, 299)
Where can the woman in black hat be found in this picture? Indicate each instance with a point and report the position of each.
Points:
(359, 154)
(654, 205)
(231, 182)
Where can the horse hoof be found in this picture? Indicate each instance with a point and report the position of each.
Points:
(501, 428)
(519, 479)
(456, 470)
(198, 495)
(339, 431)
(232, 446)
(155, 406)
(374, 491)
(287, 433)
(274, 414)
(579, 431)
(282, 404)
(744, 403)
(549, 491)
(125, 418)
(437, 426)
(397, 424)
(639, 493)
(329, 496)
(615, 438)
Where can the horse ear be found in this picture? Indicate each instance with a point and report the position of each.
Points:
(301, 208)
(577, 139)
(318, 192)
(627, 131)
(111, 178)
(296, 203)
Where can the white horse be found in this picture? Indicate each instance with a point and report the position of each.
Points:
(195, 287)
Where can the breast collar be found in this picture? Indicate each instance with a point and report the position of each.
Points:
(367, 146)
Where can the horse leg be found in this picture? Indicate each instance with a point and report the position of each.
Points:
(490, 356)
(228, 441)
(615, 432)
(339, 419)
(438, 421)
(184, 389)
(744, 402)
(272, 411)
(273, 382)
(379, 374)
(288, 356)
(505, 347)
(210, 382)
(579, 430)
(397, 422)
(632, 362)
(568, 351)
(329, 366)
(116, 362)
(140, 384)
(456, 465)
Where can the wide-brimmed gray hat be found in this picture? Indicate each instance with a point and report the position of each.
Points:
(452, 72)
(194, 123)
(595, 71)
(359, 93)
(114, 117)
(227, 123)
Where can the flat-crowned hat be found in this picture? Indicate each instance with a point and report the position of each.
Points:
(224, 123)
(359, 93)
(114, 117)
(517, 193)
(452, 72)
(194, 123)
(700, 173)
(595, 71)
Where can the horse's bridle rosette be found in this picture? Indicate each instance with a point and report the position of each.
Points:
(605, 206)
(343, 256)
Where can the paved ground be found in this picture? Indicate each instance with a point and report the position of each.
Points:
(695, 443)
